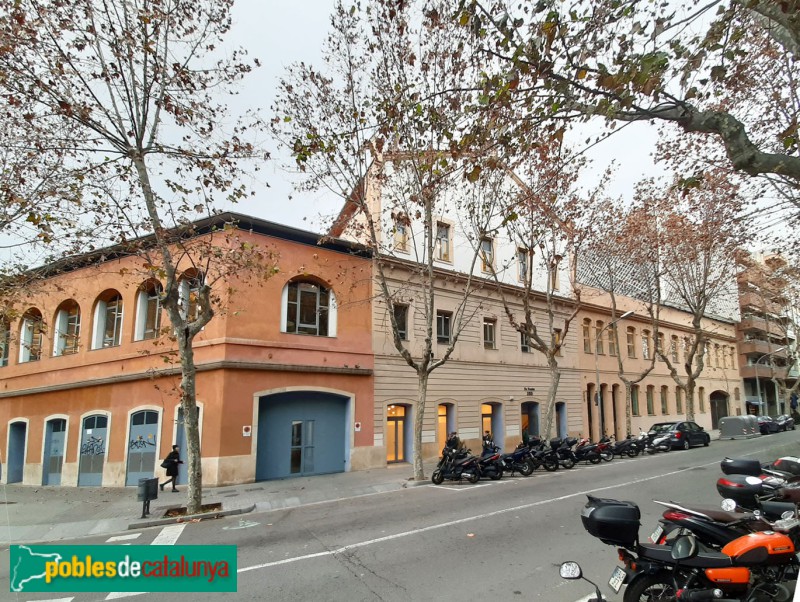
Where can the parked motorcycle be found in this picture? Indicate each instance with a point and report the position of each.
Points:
(755, 567)
(490, 464)
(455, 465)
(585, 451)
(658, 443)
(541, 455)
(518, 461)
(563, 450)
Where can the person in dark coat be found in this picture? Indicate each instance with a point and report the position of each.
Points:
(170, 463)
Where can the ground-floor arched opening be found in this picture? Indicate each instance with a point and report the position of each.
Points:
(718, 401)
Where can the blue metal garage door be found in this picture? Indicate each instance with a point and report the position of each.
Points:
(301, 434)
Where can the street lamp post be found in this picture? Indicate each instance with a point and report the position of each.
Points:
(597, 397)
(758, 383)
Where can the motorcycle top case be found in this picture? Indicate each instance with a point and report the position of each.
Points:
(613, 522)
(737, 487)
(743, 466)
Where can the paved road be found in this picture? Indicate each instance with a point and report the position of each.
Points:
(492, 541)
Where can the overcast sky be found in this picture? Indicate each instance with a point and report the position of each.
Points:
(280, 33)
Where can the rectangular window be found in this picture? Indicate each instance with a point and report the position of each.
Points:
(400, 235)
(598, 338)
(152, 321)
(522, 264)
(673, 348)
(307, 309)
(72, 333)
(525, 342)
(650, 403)
(442, 241)
(489, 331)
(443, 327)
(557, 340)
(555, 279)
(678, 400)
(701, 398)
(631, 334)
(635, 400)
(664, 401)
(660, 345)
(487, 254)
(612, 340)
(733, 358)
(401, 318)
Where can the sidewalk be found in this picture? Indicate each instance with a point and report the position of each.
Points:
(29, 514)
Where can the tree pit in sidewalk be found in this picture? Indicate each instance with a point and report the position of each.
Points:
(204, 509)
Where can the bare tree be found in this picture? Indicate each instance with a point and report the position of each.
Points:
(134, 88)
(381, 124)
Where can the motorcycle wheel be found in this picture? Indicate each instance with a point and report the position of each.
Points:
(526, 468)
(568, 463)
(633, 452)
(550, 465)
(437, 477)
(651, 589)
(607, 456)
(474, 477)
(497, 474)
(595, 460)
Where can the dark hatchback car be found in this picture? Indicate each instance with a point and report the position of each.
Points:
(767, 425)
(785, 422)
(683, 434)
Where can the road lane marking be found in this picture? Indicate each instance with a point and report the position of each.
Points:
(467, 519)
(123, 537)
(166, 537)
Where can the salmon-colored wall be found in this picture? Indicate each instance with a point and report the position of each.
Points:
(244, 335)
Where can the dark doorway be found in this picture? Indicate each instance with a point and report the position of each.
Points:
(17, 435)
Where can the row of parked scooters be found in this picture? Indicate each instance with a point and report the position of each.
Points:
(458, 463)
(746, 551)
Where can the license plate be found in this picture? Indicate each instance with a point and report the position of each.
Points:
(657, 534)
(617, 579)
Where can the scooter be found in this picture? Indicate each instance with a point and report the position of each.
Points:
(490, 464)
(455, 466)
(518, 461)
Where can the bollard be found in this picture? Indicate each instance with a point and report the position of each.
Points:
(147, 491)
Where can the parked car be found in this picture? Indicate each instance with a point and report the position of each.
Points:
(683, 433)
(767, 425)
(785, 422)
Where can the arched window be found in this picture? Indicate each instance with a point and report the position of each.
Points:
(148, 311)
(30, 336)
(635, 400)
(598, 337)
(189, 294)
(664, 400)
(587, 335)
(68, 328)
(646, 344)
(650, 404)
(107, 320)
(673, 348)
(308, 308)
(5, 341)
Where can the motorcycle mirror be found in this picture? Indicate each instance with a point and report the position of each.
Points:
(728, 505)
(685, 547)
(570, 570)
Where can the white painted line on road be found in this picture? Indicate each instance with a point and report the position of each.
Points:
(123, 537)
(166, 537)
(169, 535)
(58, 599)
(468, 519)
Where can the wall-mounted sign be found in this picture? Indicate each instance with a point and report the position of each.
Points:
(529, 391)
(247, 430)
(358, 427)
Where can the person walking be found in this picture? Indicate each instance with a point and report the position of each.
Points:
(170, 463)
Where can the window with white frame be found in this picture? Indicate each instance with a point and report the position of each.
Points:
(309, 308)
(487, 254)
(401, 233)
(525, 342)
(631, 341)
(673, 348)
(31, 337)
(442, 250)
(444, 325)
(522, 264)
(148, 312)
(108, 321)
(489, 333)
(189, 297)
(612, 340)
(68, 329)
(598, 337)
(646, 344)
(5, 341)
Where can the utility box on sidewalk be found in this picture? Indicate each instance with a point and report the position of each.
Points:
(147, 491)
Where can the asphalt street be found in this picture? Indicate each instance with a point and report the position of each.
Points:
(496, 540)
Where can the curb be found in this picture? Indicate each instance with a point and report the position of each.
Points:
(157, 522)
